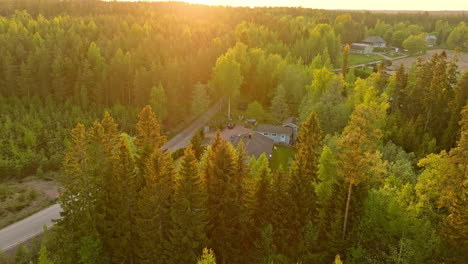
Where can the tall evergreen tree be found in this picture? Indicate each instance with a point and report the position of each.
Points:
(153, 208)
(148, 138)
(304, 178)
(223, 208)
(188, 212)
(120, 238)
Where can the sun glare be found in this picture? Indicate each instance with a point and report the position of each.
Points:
(203, 2)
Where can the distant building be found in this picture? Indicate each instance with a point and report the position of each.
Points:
(279, 134)
(254, 143)
(360, 48)
(375, 41)
(431, 40)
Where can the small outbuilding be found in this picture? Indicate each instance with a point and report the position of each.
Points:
(375, 41)
(360, 48)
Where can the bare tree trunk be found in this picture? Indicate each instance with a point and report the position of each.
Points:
(348, 201)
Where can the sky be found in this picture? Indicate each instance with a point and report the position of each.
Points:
(426, 5)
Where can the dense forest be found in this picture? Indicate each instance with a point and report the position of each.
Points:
(90, 90)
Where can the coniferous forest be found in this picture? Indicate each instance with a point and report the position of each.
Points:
(90, 91)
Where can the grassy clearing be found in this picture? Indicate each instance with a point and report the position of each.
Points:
(20, 200)
(355, 59)
(281, 156)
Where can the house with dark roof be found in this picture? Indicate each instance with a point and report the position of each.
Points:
(254, 143)
(360, 48)
(375, 41)
(279, 134)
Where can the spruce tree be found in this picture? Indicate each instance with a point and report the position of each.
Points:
(188, 212)
(304, 178)
(223, 208)
(153, 217)
(281, 204)
(120, 239)
(148, 139)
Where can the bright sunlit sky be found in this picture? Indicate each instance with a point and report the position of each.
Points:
(429, 5)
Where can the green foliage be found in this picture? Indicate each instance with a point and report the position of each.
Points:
(458, 37)
(124, 202)
(255, 110)
(158, 102)
(279, 109)
(415, 44)
(201, 100)
(43, 256)
(208, 257)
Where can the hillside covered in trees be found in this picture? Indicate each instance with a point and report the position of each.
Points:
(90, 90)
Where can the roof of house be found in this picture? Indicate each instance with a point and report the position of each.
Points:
(358, 46)
(374, 39)
(274, 129)
(254, 143)
(290, 120)
(431, 37)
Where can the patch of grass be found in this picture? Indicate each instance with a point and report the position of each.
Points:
(355, 59)
(281, 156)
(20, 200)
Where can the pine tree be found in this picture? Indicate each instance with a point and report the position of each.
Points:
(188, 212)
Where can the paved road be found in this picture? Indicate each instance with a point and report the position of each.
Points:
(183, 138)
(27, 228)
(373, 62)
(32, 226)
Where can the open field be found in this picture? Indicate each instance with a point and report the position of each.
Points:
(407, 62)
